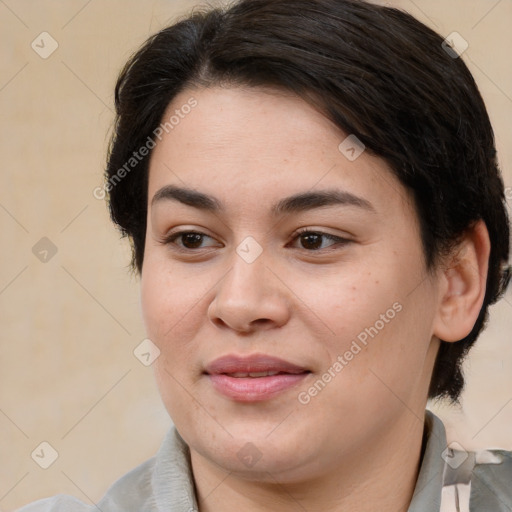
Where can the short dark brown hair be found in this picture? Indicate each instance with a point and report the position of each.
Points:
(376, 72)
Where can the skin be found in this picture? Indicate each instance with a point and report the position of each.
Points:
(356, 445)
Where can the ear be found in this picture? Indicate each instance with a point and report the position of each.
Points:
(462, 285)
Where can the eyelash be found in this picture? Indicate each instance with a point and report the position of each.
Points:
(170, 239)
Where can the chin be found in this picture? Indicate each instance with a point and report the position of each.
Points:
(281, 459)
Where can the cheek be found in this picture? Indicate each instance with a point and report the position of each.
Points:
(350, 302)
(173, 310)
(371, 315)
(156, 300)
(166, 300)
(168, 315)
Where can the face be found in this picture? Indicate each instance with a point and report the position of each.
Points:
(302, 267)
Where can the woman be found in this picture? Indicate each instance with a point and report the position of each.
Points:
(313, 199)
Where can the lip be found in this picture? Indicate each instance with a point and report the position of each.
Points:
(253, 363)
(253, 389)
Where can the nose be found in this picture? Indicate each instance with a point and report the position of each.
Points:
(250, 297)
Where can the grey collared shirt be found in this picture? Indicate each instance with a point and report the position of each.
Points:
(448, 481)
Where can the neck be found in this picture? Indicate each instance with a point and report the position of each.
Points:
(381, 476)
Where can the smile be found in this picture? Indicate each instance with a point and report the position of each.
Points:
(253, 378)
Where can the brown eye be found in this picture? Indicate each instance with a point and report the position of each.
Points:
(189, 239)
(313, 240)
(192, 240)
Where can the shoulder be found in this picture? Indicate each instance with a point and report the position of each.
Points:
(132, 492)
(58, 503)
(481, 480)
(491, 480)
(164, 482)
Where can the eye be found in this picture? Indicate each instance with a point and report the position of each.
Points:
(189, 239)
(312, 240)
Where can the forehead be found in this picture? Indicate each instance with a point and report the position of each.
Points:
(255, 145)
(244, 119)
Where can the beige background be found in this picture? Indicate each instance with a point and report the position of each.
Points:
(69, 326)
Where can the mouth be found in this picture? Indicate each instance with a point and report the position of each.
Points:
(253, 378)
(254, 375)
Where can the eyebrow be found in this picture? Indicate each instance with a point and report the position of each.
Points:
(293, 204)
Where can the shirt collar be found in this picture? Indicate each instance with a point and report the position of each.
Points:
(172, 480)
(427, 493)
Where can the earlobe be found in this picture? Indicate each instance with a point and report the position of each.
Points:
(463, 285)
